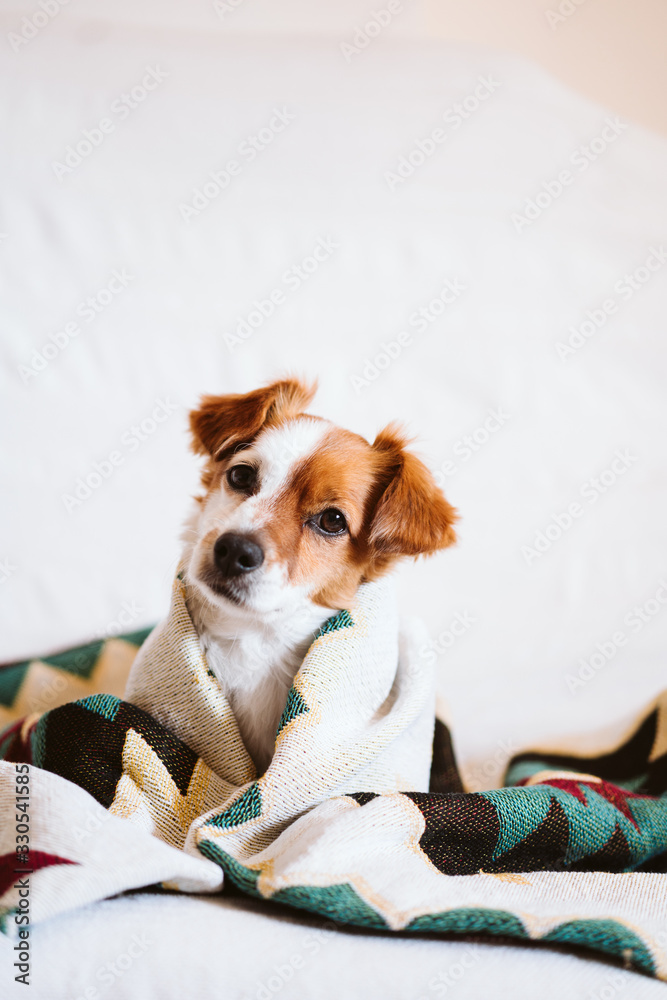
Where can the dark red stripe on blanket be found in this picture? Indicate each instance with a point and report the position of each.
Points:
(12, 870)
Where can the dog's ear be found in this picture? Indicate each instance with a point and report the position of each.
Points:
(223, 422)
(412, 516)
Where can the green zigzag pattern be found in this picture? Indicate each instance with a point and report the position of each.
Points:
(342, 904)
(5, 913)
(342, 620)
(248, 806)
(11, 679)
(470, 920)
(106, 705)
(79, 661)
(584, 836)
(243, 877)
(338, 902)
(609, 936)
(294, 707)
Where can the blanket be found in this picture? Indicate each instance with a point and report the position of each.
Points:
(360, 817)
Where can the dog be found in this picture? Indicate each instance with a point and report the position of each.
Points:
(295, 514)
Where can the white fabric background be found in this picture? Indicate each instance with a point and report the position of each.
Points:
(148, 946)
(70, 574)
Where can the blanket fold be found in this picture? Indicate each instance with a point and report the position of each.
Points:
(350, 820)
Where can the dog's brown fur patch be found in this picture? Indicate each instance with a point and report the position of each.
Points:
(390, 500)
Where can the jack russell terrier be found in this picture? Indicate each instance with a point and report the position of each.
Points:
(294, 515)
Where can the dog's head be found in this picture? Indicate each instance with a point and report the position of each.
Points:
(297, 510)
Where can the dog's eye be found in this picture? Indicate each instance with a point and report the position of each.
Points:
(331, 521)
(242, 478)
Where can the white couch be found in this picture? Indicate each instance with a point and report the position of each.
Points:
(431, 178)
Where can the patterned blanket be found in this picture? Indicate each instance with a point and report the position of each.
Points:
(361, 815)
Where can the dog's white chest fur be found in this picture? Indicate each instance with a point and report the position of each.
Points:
(256, 668)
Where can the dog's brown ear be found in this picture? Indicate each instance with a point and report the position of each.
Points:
(222, 422)
(412, 516)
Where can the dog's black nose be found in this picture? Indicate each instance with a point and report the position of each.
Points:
(236, 554)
